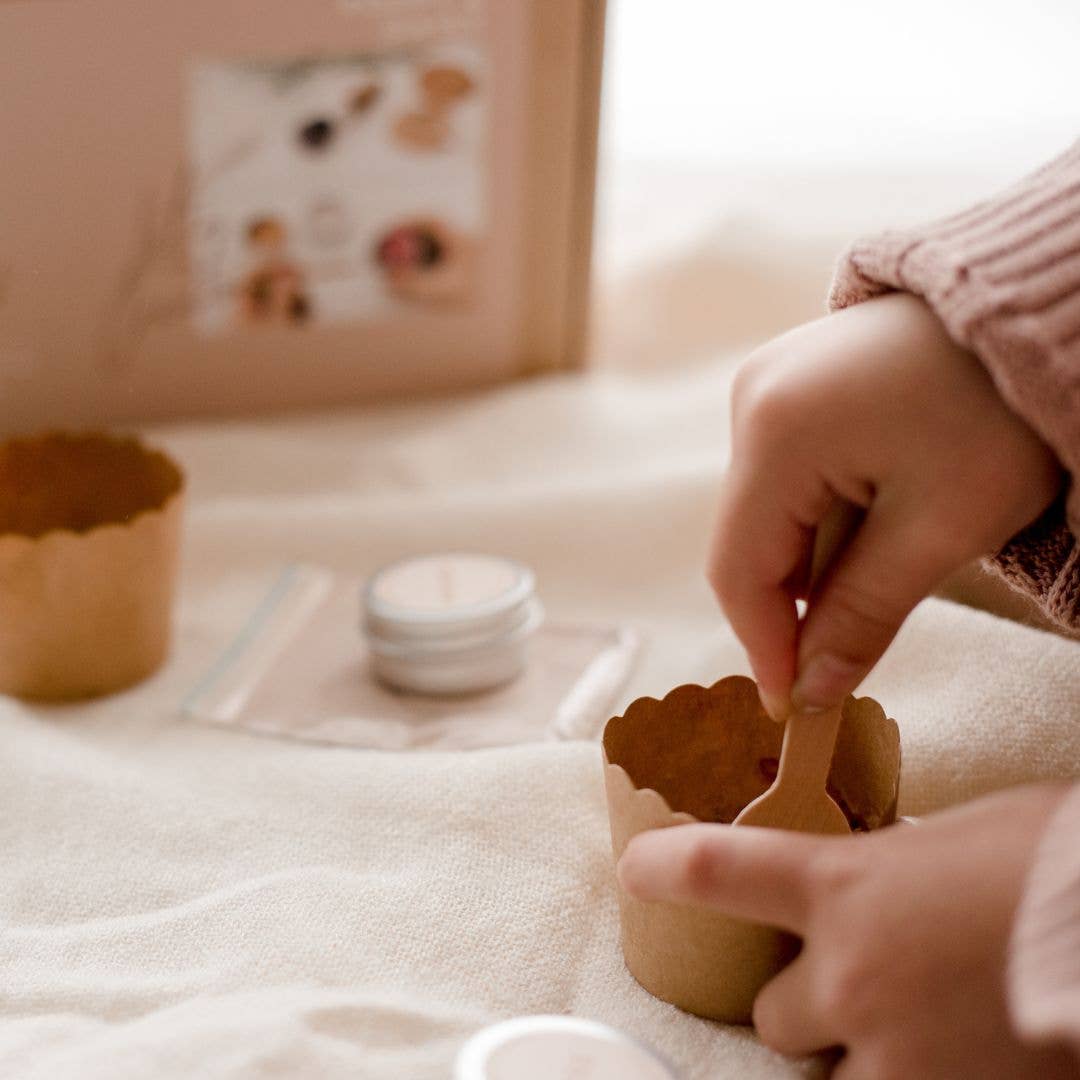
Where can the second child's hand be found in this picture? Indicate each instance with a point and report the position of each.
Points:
(877, 406)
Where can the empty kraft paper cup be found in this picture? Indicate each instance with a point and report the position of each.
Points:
(89, 543)
(702, 754)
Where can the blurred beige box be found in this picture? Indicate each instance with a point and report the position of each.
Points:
(235, 206)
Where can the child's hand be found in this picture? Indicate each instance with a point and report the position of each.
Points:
(904, 933)
(875, 405)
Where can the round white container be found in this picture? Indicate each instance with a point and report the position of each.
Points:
(450, 624)
(556, 1048)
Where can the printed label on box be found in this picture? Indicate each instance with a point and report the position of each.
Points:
(335, 189)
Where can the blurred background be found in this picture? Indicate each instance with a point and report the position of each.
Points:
(744, 145)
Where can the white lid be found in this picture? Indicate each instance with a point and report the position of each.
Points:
(557, 1048)
(452, 598)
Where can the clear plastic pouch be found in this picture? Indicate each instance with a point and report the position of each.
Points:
(299, 669)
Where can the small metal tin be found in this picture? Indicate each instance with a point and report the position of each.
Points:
(557, 1048)
(450, 624)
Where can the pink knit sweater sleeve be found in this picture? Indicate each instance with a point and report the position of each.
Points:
(1004, 278)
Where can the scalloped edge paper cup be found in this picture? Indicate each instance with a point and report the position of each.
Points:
(89, 547)
(701, 754)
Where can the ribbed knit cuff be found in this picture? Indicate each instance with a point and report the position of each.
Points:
(1044, 954)
(1043, 561)
(1004, 278)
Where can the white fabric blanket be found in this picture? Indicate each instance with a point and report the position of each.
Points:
(181, 901)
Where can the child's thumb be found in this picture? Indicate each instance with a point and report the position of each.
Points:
(888, 566)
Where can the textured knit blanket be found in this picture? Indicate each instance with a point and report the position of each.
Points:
(179, 900)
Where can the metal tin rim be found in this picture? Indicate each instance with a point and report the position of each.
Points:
(473, 1057)
(443, 649)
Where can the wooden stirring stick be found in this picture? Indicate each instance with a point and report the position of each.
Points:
(797, 798)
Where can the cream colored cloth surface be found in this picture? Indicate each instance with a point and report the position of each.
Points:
(182, 901)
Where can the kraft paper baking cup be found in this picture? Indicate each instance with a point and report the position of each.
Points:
(89, 543)
(701, 754)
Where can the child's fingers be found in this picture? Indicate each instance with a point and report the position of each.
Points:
(765, 620)
(785, 1015)
(766, 875)
(758, 551)
(893, 560)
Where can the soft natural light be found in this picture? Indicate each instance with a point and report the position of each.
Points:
(842, 81)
